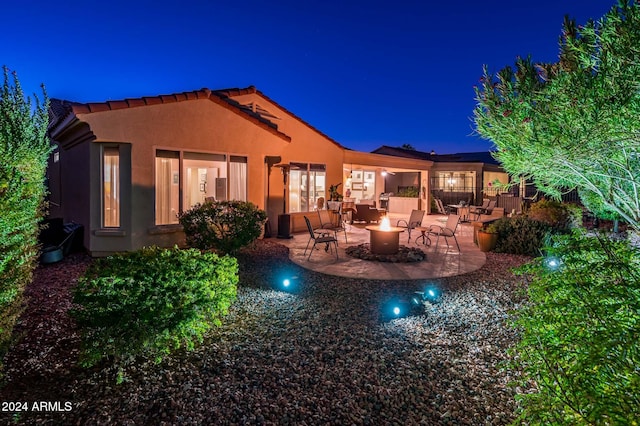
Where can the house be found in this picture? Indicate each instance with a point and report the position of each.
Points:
(125, 169)
(465, 177)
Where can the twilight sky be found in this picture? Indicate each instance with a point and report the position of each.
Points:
(366, 73)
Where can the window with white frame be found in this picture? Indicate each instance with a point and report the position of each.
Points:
(198, 177)
(110, 187)
(307, 183)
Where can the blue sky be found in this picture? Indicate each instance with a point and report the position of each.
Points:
(366, 73)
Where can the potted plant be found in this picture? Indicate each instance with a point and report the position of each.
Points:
(334, 195)
(488, 237)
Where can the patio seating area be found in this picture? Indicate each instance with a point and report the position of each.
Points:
(446, 261)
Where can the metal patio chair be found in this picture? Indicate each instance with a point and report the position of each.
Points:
(414, 221)
(319, 239)
(446, 231)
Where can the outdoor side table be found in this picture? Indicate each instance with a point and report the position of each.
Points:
(423, 235)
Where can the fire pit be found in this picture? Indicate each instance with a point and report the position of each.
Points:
(384, 239)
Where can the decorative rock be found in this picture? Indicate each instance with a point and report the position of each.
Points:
(404, 255)
(318, 357)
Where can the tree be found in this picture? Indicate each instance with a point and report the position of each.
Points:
(408, 146)
(24, 149)
(574, 123)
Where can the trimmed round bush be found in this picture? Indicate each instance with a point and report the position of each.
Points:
(224, 226)
(520, 235)
(562, 217)
(151, 302)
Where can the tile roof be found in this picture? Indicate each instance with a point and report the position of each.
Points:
(230, 93)
(463, 157)
(60, 109)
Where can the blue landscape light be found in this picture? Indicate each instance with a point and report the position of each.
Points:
(399, 307)
(552, 263)
(431, 294)
(288, 283)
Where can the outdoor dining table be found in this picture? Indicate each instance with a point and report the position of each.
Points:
(462, 210)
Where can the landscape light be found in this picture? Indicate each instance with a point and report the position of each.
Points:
(431, 294)
(399, 307)
(288, 283)
(552, 263)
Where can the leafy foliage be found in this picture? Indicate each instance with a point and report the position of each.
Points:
(24, 149)
(574, 123)
(410, 191)
(225, 226)
(520, 235)
(561, 217)
(580, 334)
(151, 301)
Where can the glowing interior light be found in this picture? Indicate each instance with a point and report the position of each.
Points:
(432, 293)
(385, 225)
(286, 282)
(384, 173)
(396, 310)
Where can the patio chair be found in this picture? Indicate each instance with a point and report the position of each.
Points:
(414, 221)
(448, 230)
(486, 210)
(440, 206)
(478, 210)
(329, 223)
(319, 239)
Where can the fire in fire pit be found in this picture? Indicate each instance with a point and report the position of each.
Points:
(384, 238)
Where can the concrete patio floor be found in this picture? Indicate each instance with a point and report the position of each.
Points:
(446, 261)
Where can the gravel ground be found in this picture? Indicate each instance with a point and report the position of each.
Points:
(318, 356)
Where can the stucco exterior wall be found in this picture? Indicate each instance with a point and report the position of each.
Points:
(194, 126)
(200, 125)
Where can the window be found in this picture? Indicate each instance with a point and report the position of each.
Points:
(167, 187)
(110, 187)
(454, 181)
(306, 185)
(238, 178)
(361, 185)
(204, 177)
(198, 177)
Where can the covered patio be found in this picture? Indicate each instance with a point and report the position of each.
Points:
(446, 261)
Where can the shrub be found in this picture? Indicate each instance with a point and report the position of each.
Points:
(580, 339)
(151, 301)
(560, 216)
(410, 191)
(24, 149)
(225, 226)
(520, 235)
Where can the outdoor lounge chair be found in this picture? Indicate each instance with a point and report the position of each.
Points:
(319, 239)
(440, 206)
(414, 221)
(448, 230)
